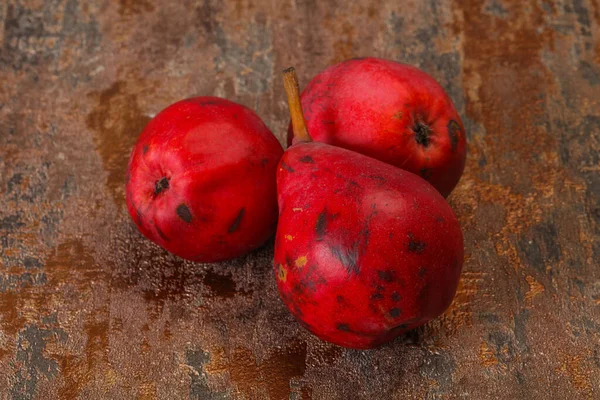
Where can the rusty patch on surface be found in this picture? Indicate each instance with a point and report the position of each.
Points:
(222, 285)
(535, 288)
(133, 7)
(486, 355)
(117, 122)
(344, 47)
(579, 376)
(275, 372)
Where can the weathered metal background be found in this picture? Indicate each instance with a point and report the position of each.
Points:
(91, 310)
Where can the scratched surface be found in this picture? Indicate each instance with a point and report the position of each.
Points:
(91, 310)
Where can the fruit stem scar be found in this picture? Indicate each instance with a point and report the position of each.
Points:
(422, 133)
(290, 82)
(161, 185)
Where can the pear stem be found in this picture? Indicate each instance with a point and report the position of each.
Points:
(290, 82)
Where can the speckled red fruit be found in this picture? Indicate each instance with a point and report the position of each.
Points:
(364, 251)
(201, 180)
(389, 111)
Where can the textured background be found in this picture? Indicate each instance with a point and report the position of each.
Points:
(89, 309)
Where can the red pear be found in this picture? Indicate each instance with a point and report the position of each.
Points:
(389, 111)
(364, 251)
(201, 180)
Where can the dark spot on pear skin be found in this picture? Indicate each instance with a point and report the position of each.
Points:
(439, 219)
(299, 290)
(321, 225)
(264, 162)
(287, 167)
(322, 221)
(145, 149)
(395, 312)
(396, 297)
(414, 245)
(348, 258)
(425, 173)
(453, 133)
(312, 279)
(422, 271)
(327, 122)
(380, 179)
(386, 276)
(340, 299)
(235, 225)
(161, 234)
(306, 284)
(343, 327)
(184, 213)
(377, 296)
(306, 160)
(342, 177)
(364, 234)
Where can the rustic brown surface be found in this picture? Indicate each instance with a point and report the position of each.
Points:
(89, 309)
